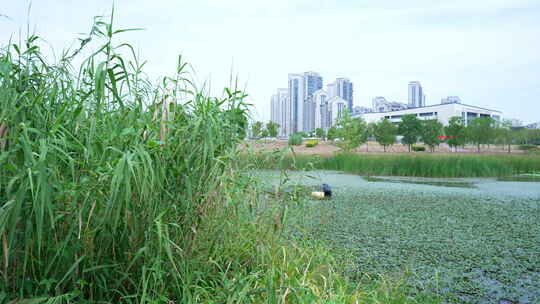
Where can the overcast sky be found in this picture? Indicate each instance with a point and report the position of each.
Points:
(485, 51)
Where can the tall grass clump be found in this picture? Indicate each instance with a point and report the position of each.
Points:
(113, 189)
(409, 165)
(100, 169)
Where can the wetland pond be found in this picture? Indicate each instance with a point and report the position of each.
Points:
(467, 240)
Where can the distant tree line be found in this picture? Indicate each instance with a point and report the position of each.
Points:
(349, 133)
(480, 132)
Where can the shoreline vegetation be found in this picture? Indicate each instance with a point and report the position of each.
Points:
(117, 190)
(417, 165)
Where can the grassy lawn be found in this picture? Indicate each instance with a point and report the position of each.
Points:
(464, 245)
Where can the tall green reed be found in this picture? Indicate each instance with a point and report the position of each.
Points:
(105, 176)
(405, 164)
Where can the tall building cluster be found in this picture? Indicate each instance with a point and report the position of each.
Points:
(305, 106)
(417, 98)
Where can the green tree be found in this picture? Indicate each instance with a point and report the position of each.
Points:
(535, 136)
(528, 136)
(430, 132)
(522, 136)
(370, 133)
(272, 128)
(481, 131)
(264, 133)
(256, 129)
(237, 116)
(319, 132)
(505, 135)
(385, 133)
(409, 127)
(332, 133)
(456, 132)
(352, 130)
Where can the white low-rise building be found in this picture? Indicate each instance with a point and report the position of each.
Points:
(441, 112)
(361, 110)
(451, 99)
(380, 104)
(515, 123)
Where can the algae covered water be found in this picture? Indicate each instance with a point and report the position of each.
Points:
(467, 240)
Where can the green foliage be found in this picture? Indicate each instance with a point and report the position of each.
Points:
(370, 131)
(237, 117)
(430, 132)
(425, 165)
(527, 136)
(272, 129)
(456, 132)
(332, 133)
(319, 132)
(296, 139)
(504, 134)
(92, 215)
(303, 134)
(410, 128)
(352, 131)
(418, 148)
(481, 131)
(256, 129)
(385, 133)
(311, 143)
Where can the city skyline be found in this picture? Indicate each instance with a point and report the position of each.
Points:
(416, 98)
(306, 104)
(490, 60)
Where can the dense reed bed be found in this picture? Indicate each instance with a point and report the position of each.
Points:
(425, 165)
(113, 189)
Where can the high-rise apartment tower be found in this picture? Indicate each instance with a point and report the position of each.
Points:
(417, 98)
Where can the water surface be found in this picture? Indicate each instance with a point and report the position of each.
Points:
(469, 240)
